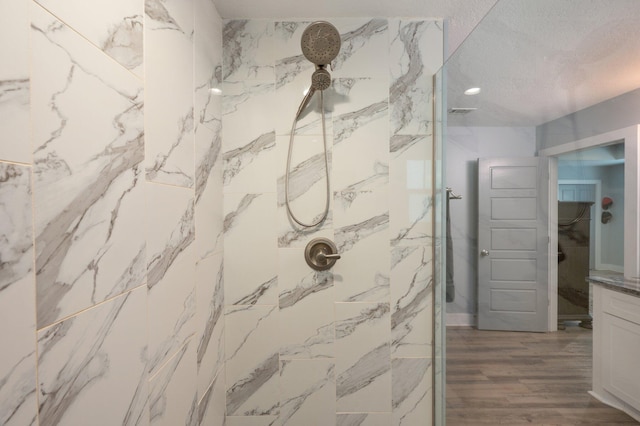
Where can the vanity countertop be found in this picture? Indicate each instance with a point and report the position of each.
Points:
(617, 283)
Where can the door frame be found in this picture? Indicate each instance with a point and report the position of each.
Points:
(597, 225)
(630, 136)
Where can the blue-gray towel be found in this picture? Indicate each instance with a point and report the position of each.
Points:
(451, 290)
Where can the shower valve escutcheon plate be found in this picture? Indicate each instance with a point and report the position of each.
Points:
(321, 254)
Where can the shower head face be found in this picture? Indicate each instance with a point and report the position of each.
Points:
(320, 43)
(320, 79)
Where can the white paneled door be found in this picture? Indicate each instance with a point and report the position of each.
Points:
(513, 244)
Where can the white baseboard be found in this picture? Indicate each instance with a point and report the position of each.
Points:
(461, 320)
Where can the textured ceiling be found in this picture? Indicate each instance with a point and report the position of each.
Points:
(538, 60)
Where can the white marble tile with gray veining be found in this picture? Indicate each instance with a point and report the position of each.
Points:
(308, 392)
(115, 27)
(307, 190)
(89, 223)
(360, 130)
(411, 70)
(363, 382)
(252, 421)
(169, 61)
(367, 103)
(250, 239)
(411, 301)
(248, 50)
(410, 175)
(252, 366)
(363, 419)
(18, 401)
(306, 308)
(210, 319)
(14, 82)
(172, 391)
(207, 41)
(14, 118)
(244, 163)
(96, 355)
(362, 238)
(289, 60)
(365, 48)
(211, 407)
(419, 223)
(248, 136)
(412, 391)
(171, 270)
(208, 191)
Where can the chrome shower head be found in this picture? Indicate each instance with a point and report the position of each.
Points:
(320, 43)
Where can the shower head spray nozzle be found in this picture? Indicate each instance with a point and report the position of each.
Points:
(320, 79)
(320, 43)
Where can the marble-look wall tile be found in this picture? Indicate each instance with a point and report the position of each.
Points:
(211, 408)
(210, 321)
(363, 382)
(95, 356)
(412, 391)
(208, 210)
(172, 392)
(308, 392)
(412, 66)
(306, 308)
(252, 370)
(248, 50)
(87, 190)
(250, 239)
(168, 28)
(115, 27)
(264, 67)
(252, 421)
(363, 419)
(410, 175)
(307, 190)
(207, 43)
(14, 82)
(248, 137)
(362, 238)
(365, 48)
(18, 404)
(171, 270)
(411, 301)
(360, 130)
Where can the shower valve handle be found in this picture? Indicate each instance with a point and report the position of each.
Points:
(323, 256)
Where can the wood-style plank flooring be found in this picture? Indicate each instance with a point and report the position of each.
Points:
(505, 378)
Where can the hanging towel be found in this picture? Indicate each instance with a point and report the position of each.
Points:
(451, 290)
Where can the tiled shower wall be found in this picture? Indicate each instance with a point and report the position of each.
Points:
(110, 213)
(351, 346)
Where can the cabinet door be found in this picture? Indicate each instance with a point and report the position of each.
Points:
(620, 358)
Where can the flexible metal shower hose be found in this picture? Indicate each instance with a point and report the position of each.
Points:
(326, 166)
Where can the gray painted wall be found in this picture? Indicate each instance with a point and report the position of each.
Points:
(616, 113)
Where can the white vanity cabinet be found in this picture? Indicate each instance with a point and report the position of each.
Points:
(616, 349)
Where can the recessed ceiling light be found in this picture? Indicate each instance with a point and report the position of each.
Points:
(472, 91)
